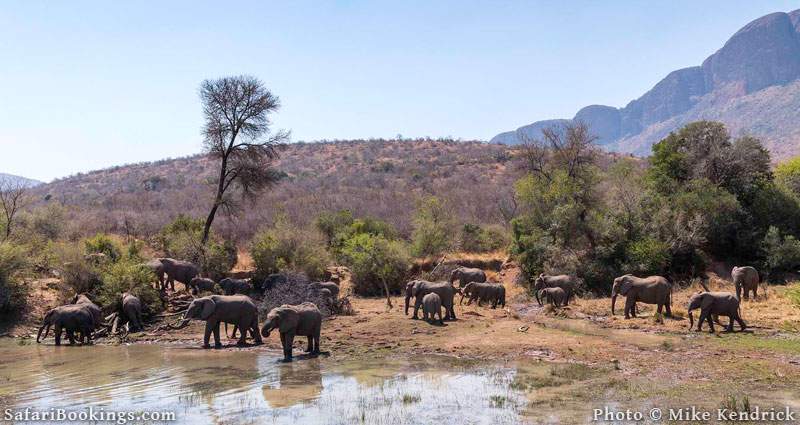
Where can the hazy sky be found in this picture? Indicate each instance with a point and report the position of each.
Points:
(87, 85)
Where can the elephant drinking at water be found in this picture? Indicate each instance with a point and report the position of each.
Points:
(295, 320)
(71, 318)
(215, 309)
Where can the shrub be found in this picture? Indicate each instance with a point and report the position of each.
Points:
(376, 264)
(103, 244)
(648, 256)
(12, 290)
(781, 254)
(48, 221)
(76, 273)
(182, 240)
(128, 276)
(282, 248)
(475, 238)
(432, 228)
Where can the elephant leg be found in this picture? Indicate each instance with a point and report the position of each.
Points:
(730, 325)
(452, 311)
(242, 334)
(755, 292)
(287, 346)
(217, 343)
(417, 305)
(658, 313)
(316, 341)
(207, 335)
(256, 334)
(668, 307)
(310, 347)
(629, 307)
(741, 322)
(71, 337)
(57, 331)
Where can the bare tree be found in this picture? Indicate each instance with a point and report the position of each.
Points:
(236, 132)
(569, 147)
(12, 195)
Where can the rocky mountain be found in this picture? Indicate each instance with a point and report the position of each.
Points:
(14, 180)
(752, 84)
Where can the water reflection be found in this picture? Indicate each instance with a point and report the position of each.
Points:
(249, 386)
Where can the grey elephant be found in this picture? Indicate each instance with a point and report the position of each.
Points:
(419, 288)
(431, 306)
(83, 300)
(182, 271)
(494, 293)
(566, 282)
(157, 268)
(132, 310)
(232, 286)
(202, 284)
(295, 320)
(745, 279)
(649, 290)
(465, 275)
(270, 281)
(330, 286)
(555, 296)
(71, 318)
(215, 309)
(715, 304)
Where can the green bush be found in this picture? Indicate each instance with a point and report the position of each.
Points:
(781, 254)
(182, 240)
(12, 290)
(128, 276)
(376, 264)
(648, 256)
(103, 244)
(432, 228)
(77, 274)
(475, 238)
(283, 248)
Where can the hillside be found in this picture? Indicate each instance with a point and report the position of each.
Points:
(752, 84)
(15, 180)
(380, 178)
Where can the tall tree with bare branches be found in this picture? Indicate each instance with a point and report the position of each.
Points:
(237, 133)
(12, 195)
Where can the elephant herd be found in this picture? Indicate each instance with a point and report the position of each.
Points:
(81, 317)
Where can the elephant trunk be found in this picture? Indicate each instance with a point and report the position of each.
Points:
(38, 335)
(184, 323)
(408, 298)
(266, 330)
(613, 302)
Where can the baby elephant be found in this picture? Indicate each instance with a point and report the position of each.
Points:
(715, 303)
(555, 296)
(132, 309)
(235, 286)
(431, 306)
(202, 284)
(295, 320)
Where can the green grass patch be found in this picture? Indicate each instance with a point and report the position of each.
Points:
(793, 294)
(785, 344)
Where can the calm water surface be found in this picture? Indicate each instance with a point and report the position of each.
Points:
(251, 386)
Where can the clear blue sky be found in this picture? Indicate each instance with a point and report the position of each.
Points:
(87, 85)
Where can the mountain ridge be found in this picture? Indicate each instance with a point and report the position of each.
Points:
(14, 179)
(763, 54)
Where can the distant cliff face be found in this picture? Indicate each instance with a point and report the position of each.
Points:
(763, 54)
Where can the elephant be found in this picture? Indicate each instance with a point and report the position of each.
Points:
(231, 286)
(270, 281)
(158, 269)
(566, 282)
(295, 320)
(465, 275)
(494, 293)
(182, 271)
(649, 290)
(431, 306)
(745, 278)
(132, 310)
(71, 318)
(330, 286)
(715, 303)
(555, 296)
(215, 309)
(202, 284)
(419, 288)
(83, 300)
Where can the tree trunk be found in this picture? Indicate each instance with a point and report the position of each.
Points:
(386, 290)
(217, 200)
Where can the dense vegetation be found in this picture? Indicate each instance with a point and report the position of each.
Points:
(703, 197)
(558, 204)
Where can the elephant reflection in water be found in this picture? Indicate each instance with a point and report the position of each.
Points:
(297, 382)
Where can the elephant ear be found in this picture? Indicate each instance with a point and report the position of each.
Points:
(625, 285)
(208, 308)
(289, 319)
(707, 301)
